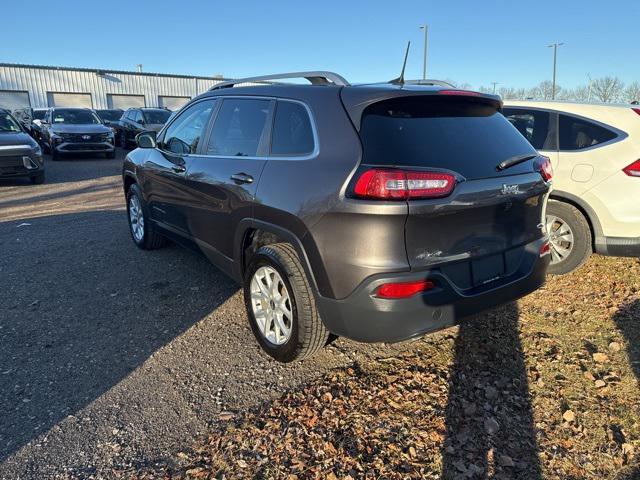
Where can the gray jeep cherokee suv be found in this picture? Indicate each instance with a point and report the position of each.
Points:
(376, 212)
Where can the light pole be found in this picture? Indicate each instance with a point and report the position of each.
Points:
(494, 86)
(424, 64)
(555, 61)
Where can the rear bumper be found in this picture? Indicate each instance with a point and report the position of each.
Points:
(366, 318)
(618, 246)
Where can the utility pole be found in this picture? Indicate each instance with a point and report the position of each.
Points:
(555, 61)
(494, 86)
(139, 68)
(424, 64)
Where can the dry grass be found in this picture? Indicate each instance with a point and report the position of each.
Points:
(547, 388)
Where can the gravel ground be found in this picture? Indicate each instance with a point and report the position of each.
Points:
(113, 357)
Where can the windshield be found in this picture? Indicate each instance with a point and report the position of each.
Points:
(74, 116)
(8, 124)
(110, 115)
(39, 114)
(156, 116)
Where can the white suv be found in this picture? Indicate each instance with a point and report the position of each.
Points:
(595, 153)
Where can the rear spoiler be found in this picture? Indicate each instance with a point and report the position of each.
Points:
(357, 99)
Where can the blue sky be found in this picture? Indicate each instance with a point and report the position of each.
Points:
(469, 41)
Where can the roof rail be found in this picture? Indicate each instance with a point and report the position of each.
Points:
(430, 81)
(314, 77)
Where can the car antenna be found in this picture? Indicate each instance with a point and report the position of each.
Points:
(400, 79)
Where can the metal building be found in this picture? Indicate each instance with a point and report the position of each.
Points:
(41, 86)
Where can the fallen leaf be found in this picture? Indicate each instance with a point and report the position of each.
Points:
(600, 357)
(491, 426)
(568, 416)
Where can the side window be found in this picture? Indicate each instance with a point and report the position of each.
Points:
(239, 127)
(576, 134)
(137, 116)
(183, 135)
(130, 114)
(534, 125)
(292, 133)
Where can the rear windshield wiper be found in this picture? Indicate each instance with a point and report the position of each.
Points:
(510, 162)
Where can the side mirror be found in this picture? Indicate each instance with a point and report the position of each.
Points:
(146, 140)
(141, 122)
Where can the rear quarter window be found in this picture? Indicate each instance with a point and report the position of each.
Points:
(461, 135)
(578, 134)
(292, 132)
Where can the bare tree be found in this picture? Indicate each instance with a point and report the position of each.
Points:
(544, 91)
(580, 94)
(632, 92)
(607, 89)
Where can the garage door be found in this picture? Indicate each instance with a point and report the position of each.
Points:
(124, 101)
(57, 99)
(13, 99)
(172, 103)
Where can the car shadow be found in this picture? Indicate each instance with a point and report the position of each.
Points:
(627, 319)
(82, 310)
(489, 420)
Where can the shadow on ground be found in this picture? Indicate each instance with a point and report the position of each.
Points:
(82, 308)
(489, 421)
(627, 319)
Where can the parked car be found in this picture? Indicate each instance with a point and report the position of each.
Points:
(138, 120)
(30, 119)
(595, 152)
(20, 155)
(110, 115)
(76, 130)
(376, 212)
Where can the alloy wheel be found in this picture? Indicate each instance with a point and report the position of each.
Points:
(136, 218)
(560, 238)
(271, 305)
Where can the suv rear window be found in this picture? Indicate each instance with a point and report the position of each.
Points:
(464, 136)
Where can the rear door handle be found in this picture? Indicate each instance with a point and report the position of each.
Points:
(242, 178)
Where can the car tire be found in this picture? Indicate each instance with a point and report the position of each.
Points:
(55, 156)
(306, 332)
(142, 232)
(569, 236)
(38, 179)
(45, 146)
(123, 140)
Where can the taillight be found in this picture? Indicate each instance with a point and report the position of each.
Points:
(464, 93)
(633, 170)
(543, 165)
(404, 289)
(388, 184)
(545, 249)
(637, 110)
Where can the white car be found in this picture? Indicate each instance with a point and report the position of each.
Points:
(595, 153)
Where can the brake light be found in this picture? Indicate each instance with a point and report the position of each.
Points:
(637, 110)
(633, 170)
(465, 93)
(388, 184)
(404, 289)
(545, 249)
(543, 165)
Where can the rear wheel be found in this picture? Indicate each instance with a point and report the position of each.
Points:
(142, 232)
(280, 304)
(569, 237)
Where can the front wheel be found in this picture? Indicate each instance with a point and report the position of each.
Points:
(569, 237)
(281, 306)
(38, 178)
